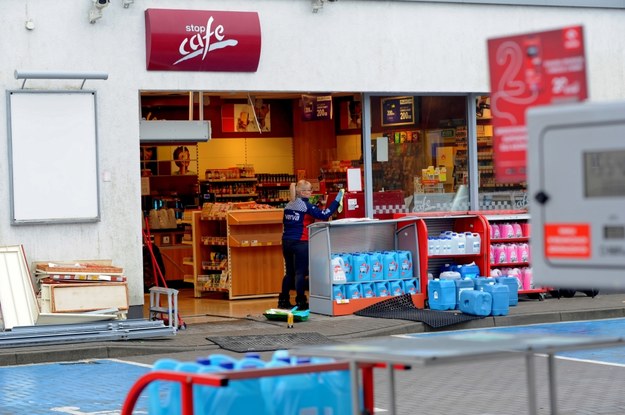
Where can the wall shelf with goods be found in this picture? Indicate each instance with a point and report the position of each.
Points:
(231, 184)
(210, 256)
(237, 250)
(273, 188)
(359, 240)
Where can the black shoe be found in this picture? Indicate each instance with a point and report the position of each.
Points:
(284, 301)
(301, 302)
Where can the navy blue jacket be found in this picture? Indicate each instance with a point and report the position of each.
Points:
(300, 213)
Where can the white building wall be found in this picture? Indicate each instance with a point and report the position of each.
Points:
(349, 45)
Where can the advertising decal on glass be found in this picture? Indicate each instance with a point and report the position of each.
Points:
(542, 68)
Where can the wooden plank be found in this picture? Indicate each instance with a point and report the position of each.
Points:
(68, 298)
(17, 294)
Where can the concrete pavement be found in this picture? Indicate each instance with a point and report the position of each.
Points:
(191, 342)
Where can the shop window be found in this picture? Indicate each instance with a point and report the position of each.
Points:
(420, 148)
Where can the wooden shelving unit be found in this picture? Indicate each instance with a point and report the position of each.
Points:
(255, 252)
(210, 258)
(239, 254)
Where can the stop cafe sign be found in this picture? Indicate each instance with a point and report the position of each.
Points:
(201, 40)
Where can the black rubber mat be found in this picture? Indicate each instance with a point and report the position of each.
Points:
(402, 308)
(268, 342)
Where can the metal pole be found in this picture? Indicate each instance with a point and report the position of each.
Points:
(531, 383)
(553, 396)
(390, 370)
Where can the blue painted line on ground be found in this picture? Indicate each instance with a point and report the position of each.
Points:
(608, 328)
(94, 387)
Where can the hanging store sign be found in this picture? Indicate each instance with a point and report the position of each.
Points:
(528, 70)
(316, 107)
(397, 111)
(200, 40)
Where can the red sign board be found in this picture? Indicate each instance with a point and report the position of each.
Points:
(200, 40)
(567, 240)
(527, 70)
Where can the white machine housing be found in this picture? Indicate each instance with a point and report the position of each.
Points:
(576, 188)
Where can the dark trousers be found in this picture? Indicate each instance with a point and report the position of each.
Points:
(296, 266)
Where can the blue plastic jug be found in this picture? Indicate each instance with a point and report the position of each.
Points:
(513, 288)
(461, 285)
(404, 258)
(477, 303)
(397, 287)
(338, 292)
(480, 282)
(362, 267)
(240, 397)
(377, 266)
(368, 290)
(501, 299)
(381, 289)
(391, 267)
(164, 397)
(347, 264)
(442, 294)
(469, 271)
(353, 291)
(301, 394)
(411, 286)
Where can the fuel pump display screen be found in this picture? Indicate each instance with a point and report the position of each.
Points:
(604, 173)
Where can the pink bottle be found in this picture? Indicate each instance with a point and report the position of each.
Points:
(495, 232)
(506, 230)
(523, 252)
(511, 253)
(518, 232)
(492, 254)
(528, 282)
(500, 254)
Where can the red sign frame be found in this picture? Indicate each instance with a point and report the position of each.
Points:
(202, 40)
(528, 70)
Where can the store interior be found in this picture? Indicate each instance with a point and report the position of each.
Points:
(262, 142)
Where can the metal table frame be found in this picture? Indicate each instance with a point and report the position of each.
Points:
(456, 348)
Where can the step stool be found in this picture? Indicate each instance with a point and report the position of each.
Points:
(157, 308)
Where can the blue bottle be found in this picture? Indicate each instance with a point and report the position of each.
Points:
(501, 298)
(361, 266)
(377, 266)
(391, 267)
(461, 285)
(404, 259)
(477, 303)
(203, 396)
(240, 397)
(513, 288)
(442, 294)
(164, 397)
(304, 393)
